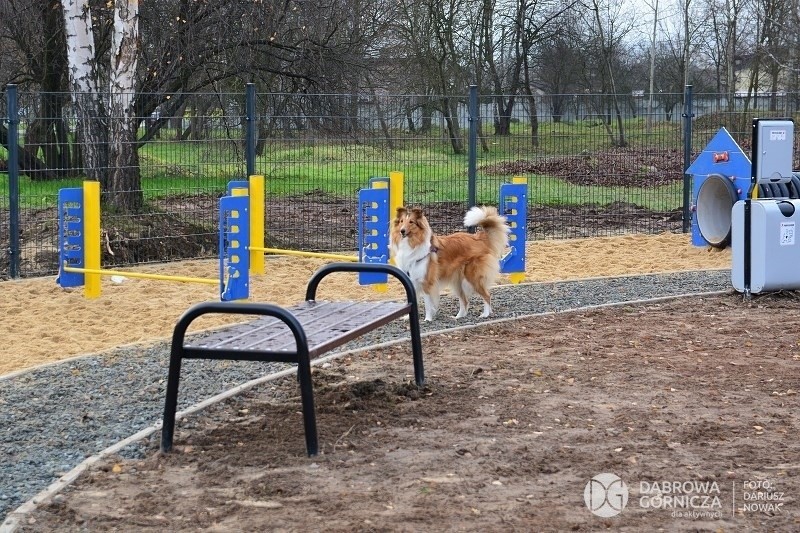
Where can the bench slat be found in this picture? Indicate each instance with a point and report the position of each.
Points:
(327, 325)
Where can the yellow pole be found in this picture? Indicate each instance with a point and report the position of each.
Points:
(300, 253)
(91, 238)
(143, 275)
(396, 197)
(256, 223)
(395, 192)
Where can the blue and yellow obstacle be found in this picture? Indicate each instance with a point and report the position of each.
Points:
(242, 221)
(375, 204)
(79, 245)
(514, 206)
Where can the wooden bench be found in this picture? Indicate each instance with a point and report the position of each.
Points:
(290, 335)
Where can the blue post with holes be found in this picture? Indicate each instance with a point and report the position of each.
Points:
(234, 246)
(70, 236)
(372, 225)
(514, 206)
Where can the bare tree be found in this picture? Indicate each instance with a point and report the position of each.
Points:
(539, 21)
(652, 74)
(559, 65)
(32, 39)
(724, 19)
(509, 34)
(770, 52)
(435, 36)
(607, 31)
(185, 47)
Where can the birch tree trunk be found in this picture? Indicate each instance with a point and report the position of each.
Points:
(92, 130)
(125, 181)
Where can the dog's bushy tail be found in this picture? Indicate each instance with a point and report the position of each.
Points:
(493, 224)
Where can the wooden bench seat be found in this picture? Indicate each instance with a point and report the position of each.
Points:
(290, 335)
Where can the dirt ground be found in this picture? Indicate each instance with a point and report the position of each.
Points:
(45, 323)
(691, 402)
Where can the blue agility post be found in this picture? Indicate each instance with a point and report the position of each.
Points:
(514, 206)
(373, 229)
(234, 247)
(70, 236)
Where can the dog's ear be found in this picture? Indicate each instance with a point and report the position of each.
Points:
(417, 212)
(401, 212)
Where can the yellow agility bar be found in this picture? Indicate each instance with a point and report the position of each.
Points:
(97, 272)
(258, 223)
(91, 250)
(300, 253)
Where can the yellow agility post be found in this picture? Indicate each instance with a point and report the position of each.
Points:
(257, 217)
(91, 238)
(395, 192)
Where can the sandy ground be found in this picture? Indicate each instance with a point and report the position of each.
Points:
(42, 322)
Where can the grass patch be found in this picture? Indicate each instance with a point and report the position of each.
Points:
(294, 167)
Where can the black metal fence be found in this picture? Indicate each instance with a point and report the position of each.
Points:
(596, 164)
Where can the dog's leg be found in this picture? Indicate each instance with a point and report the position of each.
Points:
(430, 293)
(487, 300)
(431, 305)
(462, 290)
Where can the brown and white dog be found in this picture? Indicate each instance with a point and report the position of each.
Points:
(466, 262)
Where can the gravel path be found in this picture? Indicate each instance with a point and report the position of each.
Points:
(53, 417)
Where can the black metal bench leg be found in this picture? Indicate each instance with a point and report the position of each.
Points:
(307, 397)
(171, 402)
(416, 346)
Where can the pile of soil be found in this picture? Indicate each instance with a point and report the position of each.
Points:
(621, 167)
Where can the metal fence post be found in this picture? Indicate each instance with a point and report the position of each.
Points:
(13, 181)
(250, 144)
(472, 150)
(688, 116)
